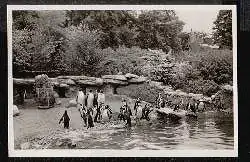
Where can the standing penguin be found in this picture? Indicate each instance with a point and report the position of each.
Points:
(80, 99)
(90, 99)
(139, 111)
(65, 118)
(83, 113)
(106, 114)
(90, 119)
(138, 100)
(128, 114)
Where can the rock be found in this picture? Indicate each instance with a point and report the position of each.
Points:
(25, 146)
(53, 80)
(178, 91)
(191, 94)
(116, 82)
(64, 85)
(129, 76)
(91, 81)
(15, 111)
(115, 77)
(56, 84)
(76, 78)
(156, 84)
(137, 80)
(197, 96)
(67, 81)
(23, 81)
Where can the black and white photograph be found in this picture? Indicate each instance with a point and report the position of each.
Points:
(122, 80)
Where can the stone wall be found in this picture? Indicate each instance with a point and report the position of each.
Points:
(67, 86)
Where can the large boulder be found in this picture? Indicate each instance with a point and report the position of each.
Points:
(67, 81)
(70, 77)
(92, 81)
(15, 111)
(156, 84)
(64, 85)
(24, 82)
(54, 81)
(115, 77)
(115, 82)
(138, 80)
(129, 76)
(76, 78)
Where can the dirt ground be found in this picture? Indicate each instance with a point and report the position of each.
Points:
(33, 121)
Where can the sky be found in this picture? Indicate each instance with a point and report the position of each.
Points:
(198, 20)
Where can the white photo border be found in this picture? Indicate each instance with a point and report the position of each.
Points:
(118, 153)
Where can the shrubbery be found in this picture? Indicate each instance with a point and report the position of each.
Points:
(126, 60)
(212, 64)
(144, 91)
(207, 87)
(96, 43)
(202, 71)
(44, 90)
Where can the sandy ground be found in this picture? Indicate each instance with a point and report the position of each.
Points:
(33, 121)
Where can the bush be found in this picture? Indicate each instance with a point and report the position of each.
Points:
(83, 53)
(224, 99)
(212, 64)
(123, 59)
(202, 71)
(144, 91)
(206, 87)
(44, 90)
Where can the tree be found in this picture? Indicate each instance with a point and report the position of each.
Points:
(36, 44)
(185, 40)
(223, 29)
(148, 29)
(115, 27)
(24, 19)
(83, 50)
(159, 30)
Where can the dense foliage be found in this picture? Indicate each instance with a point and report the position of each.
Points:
(204, 70)
(44, 90)
(149, 29)
(223, 29)
(144, 91)
(39, 47)
(149, 43)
